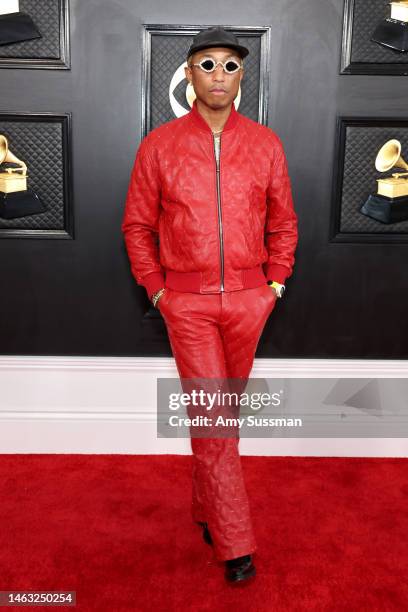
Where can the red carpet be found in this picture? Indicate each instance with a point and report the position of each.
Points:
(332, 534)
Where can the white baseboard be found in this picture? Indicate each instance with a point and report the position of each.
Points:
(108, 405)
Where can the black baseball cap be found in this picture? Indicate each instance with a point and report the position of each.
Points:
(216, 37)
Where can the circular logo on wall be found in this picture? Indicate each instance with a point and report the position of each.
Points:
(182, 94)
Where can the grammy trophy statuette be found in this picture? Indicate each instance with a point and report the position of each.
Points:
(392, 32)
(16, 200)
(390, 204)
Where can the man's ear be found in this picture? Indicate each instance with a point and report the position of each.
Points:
(187, 72)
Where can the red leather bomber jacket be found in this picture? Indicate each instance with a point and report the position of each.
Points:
(192, 229)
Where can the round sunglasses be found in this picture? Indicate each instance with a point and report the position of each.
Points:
(209, 65)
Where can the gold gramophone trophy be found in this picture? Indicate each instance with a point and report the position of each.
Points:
(390, 204)
(392, 32)
(16, 199)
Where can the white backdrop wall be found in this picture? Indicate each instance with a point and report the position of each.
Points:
(108, 405)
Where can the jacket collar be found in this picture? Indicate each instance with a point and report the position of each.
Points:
(202, 124)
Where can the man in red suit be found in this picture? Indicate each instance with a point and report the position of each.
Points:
(213, 186)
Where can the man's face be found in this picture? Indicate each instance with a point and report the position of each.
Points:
(216, 89)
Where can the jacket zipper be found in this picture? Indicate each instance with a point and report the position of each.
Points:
(217, 163)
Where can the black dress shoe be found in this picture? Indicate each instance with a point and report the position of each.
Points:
(239, 569)
(206, 533)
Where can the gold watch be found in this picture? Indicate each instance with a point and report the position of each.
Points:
(279, 288)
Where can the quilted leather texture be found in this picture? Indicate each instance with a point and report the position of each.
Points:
(172, 197)
(46, 16)
(360, 174)
(366, 16)
(214, 339)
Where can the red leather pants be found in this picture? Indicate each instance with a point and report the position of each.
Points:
(216, 336)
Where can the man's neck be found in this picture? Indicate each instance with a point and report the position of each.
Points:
(216, 118)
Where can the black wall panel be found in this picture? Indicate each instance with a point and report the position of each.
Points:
(77, 296)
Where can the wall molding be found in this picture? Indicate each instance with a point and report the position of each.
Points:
(288, 367)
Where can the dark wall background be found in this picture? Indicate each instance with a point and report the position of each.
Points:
(77, 297)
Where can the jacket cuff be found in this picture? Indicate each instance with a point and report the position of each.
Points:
(277, 272)
(152, 282)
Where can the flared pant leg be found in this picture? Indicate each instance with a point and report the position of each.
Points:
(215, 336)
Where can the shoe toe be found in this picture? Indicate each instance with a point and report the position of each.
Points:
(240, 572)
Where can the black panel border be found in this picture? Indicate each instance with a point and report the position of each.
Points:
(62, 63)
(65, 119)
(349, 67)
(335, 235)
(149, 30)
